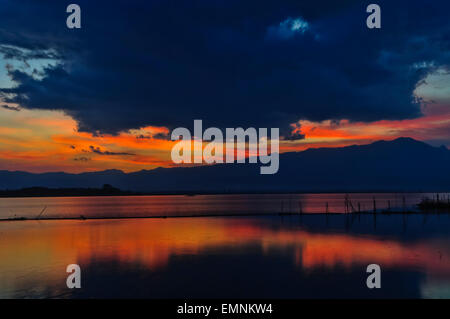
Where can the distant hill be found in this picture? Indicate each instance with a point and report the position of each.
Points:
(106, 190)
(403, 164)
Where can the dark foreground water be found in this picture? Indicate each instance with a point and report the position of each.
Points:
(309, 256)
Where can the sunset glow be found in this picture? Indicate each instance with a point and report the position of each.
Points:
(43, 141)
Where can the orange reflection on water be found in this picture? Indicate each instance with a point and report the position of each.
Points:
(42, 249)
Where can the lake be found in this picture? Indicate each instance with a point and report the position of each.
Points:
(181, 205)
(269, 256)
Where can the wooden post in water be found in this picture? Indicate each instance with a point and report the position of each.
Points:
(300, 208)
(389, 205)
(290, 204)
(404, 204)
(346, 203)
(326, 208)
(359, 211)
(374, 206)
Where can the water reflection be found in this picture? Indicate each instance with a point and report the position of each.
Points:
(226, 257)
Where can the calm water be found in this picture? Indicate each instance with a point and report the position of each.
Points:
(308, 256)
(202, 204)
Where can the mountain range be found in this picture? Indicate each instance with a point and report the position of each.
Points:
(403, 164)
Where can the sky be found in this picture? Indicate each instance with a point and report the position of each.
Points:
(107, 95)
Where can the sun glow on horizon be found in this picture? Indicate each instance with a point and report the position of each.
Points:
(48, 141)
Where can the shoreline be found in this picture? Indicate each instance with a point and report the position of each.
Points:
(384, 213)
(193, 194)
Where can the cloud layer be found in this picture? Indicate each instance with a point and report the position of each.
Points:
(231, 63)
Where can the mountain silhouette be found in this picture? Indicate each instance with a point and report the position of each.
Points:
(403, 164)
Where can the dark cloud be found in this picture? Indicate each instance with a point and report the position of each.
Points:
(294, 136)
(11, 108)
(19, 54)
(97, 150)
(158, 136)
(231, 63)
(292, 133)
(82, 159)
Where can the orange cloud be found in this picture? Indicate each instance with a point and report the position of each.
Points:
(40, 141)
(329, 133)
